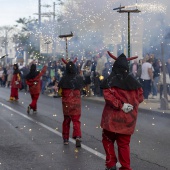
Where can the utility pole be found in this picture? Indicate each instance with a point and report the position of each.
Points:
(39, 24)
(127, 11)
(164, 101)
(66, 36)
(47, 43)
(39, 13)
(54, 38)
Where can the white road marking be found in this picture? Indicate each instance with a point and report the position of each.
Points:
(54, 131)
(100, 155)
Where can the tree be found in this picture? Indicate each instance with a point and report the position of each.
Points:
(28, 38)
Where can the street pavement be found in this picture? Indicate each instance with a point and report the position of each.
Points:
(34, 141)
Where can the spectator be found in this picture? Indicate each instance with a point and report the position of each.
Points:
(24, 71)
(86, 70)
(44, 82)
(156, 74)
(101, 62)
(134, 69)
(106, 71)
(51, 85)
(9, 75)
(147, 77)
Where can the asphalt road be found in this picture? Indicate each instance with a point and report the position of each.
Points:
(34, 141)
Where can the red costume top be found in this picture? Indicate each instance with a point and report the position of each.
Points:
(71, 102)
(71, 84)
(16, 78)
(114, 119)
(34, 83)
(119, 89)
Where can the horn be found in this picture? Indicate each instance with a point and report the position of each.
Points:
(64, 61)
(112, 56)
(3, 56)
(75, 60)
(132, 58)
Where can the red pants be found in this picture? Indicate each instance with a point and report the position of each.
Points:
(76, 126)
(14, 94)
(123, 142)
(34, 98)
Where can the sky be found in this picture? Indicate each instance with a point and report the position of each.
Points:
(95, 20)
(12, 10)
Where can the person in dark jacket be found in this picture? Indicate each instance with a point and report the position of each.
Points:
(33, 81)
(122, 94)
(71, 84)
(15, 83)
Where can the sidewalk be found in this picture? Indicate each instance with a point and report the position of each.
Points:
(151, 106)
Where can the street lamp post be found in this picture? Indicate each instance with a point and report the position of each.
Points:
(66, 36)
(47, 43)
(119, 9)
(164, 101)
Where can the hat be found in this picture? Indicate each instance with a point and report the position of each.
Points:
(121, 61)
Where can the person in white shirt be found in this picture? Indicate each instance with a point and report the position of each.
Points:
(147, 77)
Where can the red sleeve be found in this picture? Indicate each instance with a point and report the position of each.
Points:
(41, 73)
(111, 100)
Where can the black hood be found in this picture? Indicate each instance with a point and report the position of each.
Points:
(71, 80)
(16, 69)
(33, 72)
(120, 76)
(121, 63)
(70, 68)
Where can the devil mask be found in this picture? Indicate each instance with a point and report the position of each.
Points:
(120, 76)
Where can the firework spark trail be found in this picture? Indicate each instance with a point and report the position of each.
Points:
(150, 7)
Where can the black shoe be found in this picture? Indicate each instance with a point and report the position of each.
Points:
(78, 142)
(28, 109)
(113, 168)
(66, 142)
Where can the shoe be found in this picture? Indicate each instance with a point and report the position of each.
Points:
(16, 100)
(66, 142)
(51, 95)
(11, 99)
(113, 168)
(78, 142)
(28, 109)
(34, 111)
(153, 97)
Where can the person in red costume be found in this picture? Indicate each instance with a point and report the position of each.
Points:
(122, 94)
(33, 81)
(71, 84)
(15, 83)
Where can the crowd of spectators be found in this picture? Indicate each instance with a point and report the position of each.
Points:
(94, 70)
